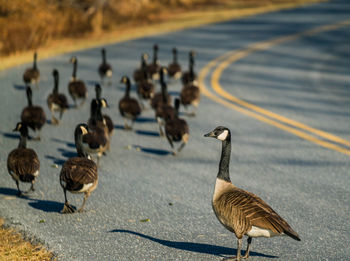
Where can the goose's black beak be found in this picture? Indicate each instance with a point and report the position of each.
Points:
(210, 134)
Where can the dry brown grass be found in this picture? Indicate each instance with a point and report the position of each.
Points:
(29, 24)
(14, 248)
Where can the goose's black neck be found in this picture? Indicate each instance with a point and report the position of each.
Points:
(98, 91)
(23, 138)
(75, 65)
(94, 112)
(164, 93)
(224, 165)
(127, 89)
(177, 106)
(34, 62)
(29, 97)
(78, 137)
(174, 56)
(155, 54)
(161, 76)
(55, 88)
(104, 60)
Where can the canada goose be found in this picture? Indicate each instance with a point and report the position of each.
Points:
(105, 69)
(96, 140)
(157, 99)
(78, 174)
(139, 74)
(33, 116)
(176, 129)
(164, 110)
(154, 67)
(22, 163)
(189, 76)
(190, 95)
(129, 107)
(32, 75)
(56, 101)
(108, 120)
(174, 69)
(145, 87)
(240, 211)
(76, 87)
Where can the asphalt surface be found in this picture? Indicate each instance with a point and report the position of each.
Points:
(305, 79)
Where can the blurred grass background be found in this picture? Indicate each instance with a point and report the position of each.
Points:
(29, 24)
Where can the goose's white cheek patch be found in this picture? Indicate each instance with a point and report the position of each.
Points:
(223, 135)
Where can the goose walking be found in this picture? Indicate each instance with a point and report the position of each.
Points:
(240, 211)
(190, 75)
(157, 99)
(76, 87)
(176, 129)
(78, 174)
(97, 139)
(22, 163)
(108, 120)
(154, 67)
(141, 72)
(174, 69)
(32, 75)
(105, 69)
(129, 107)
(33, 116)
(56, 101)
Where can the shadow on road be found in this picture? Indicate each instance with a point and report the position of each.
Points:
(69, 144)
(19, 87)
(154, 151)
(67, 153)
(10, 135)
(46, 205)
(192, 247)
(147, 133)
(145, 120)
(55, 160)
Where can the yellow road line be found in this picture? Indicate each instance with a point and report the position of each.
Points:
(234, 56)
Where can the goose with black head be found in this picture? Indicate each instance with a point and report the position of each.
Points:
(23, 163)
(56, 101)
(240, 211)
(78, 174)
(33, 116)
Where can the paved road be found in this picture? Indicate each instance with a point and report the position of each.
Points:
(305, 79)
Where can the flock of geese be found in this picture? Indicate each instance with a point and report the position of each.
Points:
(239, 211)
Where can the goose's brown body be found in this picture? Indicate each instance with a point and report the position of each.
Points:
(23, 164)
(77, 172)
(240, 211)
(34, 117)
(190, 95)
(244, 213)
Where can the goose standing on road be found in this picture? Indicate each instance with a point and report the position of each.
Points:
(154, 67)
(97, 139)
(176, 129)
(56, 101)
(139, 74)
(157, 99)
(76, 87)
(22, 163)
(190, 96)
(32, 75)
(174, 69)
(240, 211)
(189, 76)
(129, 107)
(164, 110)
(108, 120)
(145, 87)
(33, 116)
(105, 69)
(78, 174)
